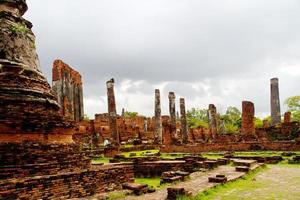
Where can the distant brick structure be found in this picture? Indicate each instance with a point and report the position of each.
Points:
(212, 118)
(183, 121)
(112, 112)
(172, 110)
(287, 117)
(275, 102)
(248, 127)
(157, 114)
(67, 85)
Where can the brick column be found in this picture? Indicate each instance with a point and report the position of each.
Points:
(158, 123)
(287, 117)
(112, 113)
(172, 110)
(183, 121)
(212, 117)
(248, 118)
(275, 102)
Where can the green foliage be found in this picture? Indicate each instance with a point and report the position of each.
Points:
(232, 119)
(128, 114)
(197, 118)
(231, 128)
(151, 182)
(293, 103)
(18, 29)
(258, 123)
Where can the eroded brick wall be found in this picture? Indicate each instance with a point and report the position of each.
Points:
(67, 85)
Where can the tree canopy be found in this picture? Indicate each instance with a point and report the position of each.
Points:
(293, 104)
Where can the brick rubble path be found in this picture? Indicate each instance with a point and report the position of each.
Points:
(198, 182)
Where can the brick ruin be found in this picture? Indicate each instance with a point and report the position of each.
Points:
(67, 86)
(173, 130)
(157, 114)
(248, 113)
(38, 158)
(212, 120)
(275, 102)
(183, 121)
(43, 133)
(172, 110)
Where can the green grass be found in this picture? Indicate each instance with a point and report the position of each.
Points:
(116, 195)
(151, 182)
(261, 153)
(100, 160)
(140, 153)
(172, 155)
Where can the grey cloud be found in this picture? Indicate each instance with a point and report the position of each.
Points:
(180, 41)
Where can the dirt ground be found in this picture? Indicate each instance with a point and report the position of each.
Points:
(277, 182)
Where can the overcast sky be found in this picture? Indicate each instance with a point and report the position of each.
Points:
(207, 51)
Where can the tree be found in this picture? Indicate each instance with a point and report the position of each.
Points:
(128, 114)
(197, 118)
(293, 103)
(258, 123)
(232, 119)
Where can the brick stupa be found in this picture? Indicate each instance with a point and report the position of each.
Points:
(38, 158)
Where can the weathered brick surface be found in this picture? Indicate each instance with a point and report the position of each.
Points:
(112, 113)
(247, 118)
(67, 86)
(275, 102)
(158, 123)
(67, 185)
(287, 117)
(172, 110)
(212, 117)
(183, 121)
(26, 100)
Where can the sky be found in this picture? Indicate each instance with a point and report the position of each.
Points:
(207, 51)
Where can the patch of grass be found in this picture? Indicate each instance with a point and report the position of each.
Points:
(116, 195)
(100, 160)
(151, 182)
(18, 29)
(246, 183)
(172, 155)
(140, 153)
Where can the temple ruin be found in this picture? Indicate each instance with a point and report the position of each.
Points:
(67, 86)
(49, 150)
(212, 118)
(112, 112)
(172, 110)
(275, 102)
(183, 121)
(157, 114)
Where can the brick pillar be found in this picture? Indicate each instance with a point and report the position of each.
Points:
(158, 123)
(183, 121)
(166, 126)
(212, 117)
(248, 118)
(275, 102)
(123, 112)
(67, 86)
(172, 110)
(266, 123)
(287, 117)
(112, 113)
